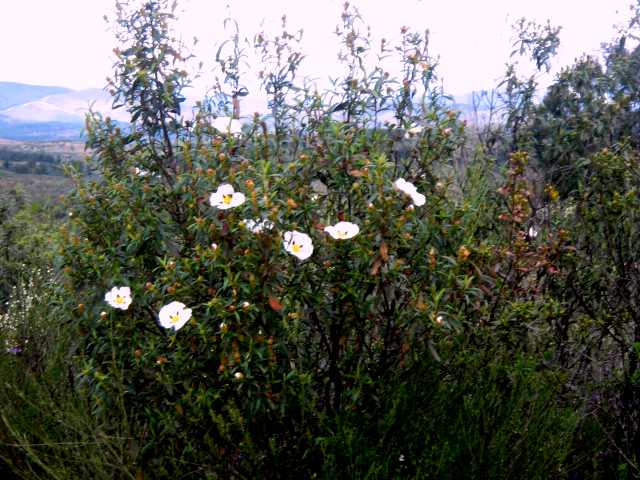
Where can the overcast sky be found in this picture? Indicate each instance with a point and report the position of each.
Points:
(67, 42)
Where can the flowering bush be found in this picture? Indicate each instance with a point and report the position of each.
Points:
(273, 353)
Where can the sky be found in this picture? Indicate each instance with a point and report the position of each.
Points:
(67, 42)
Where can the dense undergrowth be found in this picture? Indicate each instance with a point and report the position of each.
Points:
(475, 317)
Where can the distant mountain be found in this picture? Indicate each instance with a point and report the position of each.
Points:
(16, 93)
(39, 131)
(31, 112)
(68, 107)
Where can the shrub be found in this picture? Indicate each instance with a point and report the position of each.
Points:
(278, 344)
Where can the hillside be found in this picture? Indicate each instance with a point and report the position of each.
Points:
(39, 157)
(34, 188)
(12, 93)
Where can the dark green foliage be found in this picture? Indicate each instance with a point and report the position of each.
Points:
(590, 106)
(480, 414)
(599, 291)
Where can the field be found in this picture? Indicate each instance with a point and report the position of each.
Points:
(34, 188)
(44, 158)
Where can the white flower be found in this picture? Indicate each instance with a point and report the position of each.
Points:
(174, 315)
(227, 125)
(257, 226)
(533, 233)
(418, 199)
(415, 130)
(404, 186)
(214, 246)
(409, 189)
(140, 172)
(298, 244)
(119, 297)
(225, 197)
(342, 230)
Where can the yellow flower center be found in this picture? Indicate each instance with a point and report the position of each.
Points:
(342, 234)
(119, 299)
(226, 199)
(174, 318)
(296, 247)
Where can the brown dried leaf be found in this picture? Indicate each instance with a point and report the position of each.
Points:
(384, 251)
(275, 304)
(376, 267)
(420, 304)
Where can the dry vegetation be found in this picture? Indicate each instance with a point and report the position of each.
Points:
(35, 188)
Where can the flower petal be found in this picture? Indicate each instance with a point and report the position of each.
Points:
(410, 189)
(418, 199)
